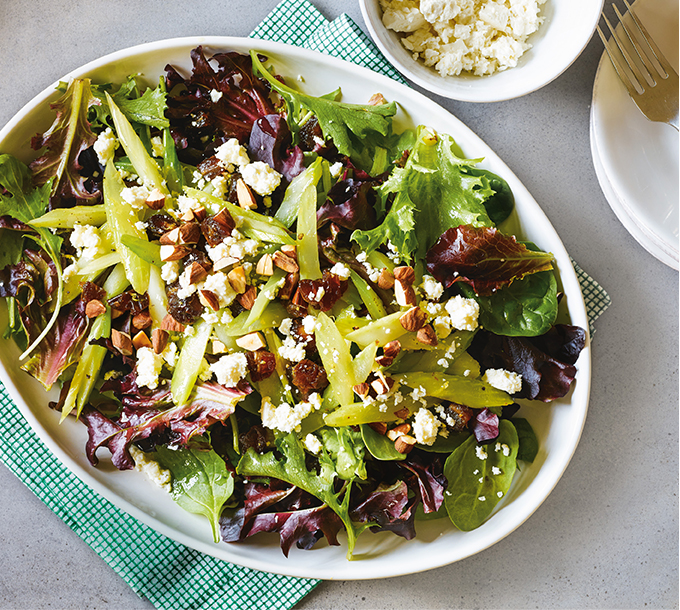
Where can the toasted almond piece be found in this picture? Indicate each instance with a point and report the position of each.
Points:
(427, 336)
(247, 299)
(237, 279)
(404, 443)
(394, 434)
(190, 233)
(402, 413)
(224, 219)
(188, 216)
(380, 386)
(197, 272)
(392, 348)
(379, 426)
(265, 266)
(94, 308)
(122, 342)
(362, 389)
(377, 99)
(171, 238)
(142, 320)
(116, 313)
(218, 347)
(156, 199)
(413, 319)
(290, 250)
(209, 299)
(290, 284)
(159, 340)
(252, 342)
(386, 279)
(405, 274)
(285, 262)
(173, 253)
(171, 325)
(402, 428)
(141, 340)
(404, 294)
(200, 214)
(225, 262)
(245, 196)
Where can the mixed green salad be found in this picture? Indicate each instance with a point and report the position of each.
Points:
(293, 318)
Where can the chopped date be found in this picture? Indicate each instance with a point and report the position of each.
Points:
(261, 364)
(258, 437)
(198, 256)
(130, 301)
(309, 377)
(215, 229)
(460, 414)
(159, 224)
(92, 292)
(185, 311)
(323, 293)
(211, 168)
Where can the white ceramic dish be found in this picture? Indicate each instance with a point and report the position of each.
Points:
(637, 159)
(558, 425)
(568, 26)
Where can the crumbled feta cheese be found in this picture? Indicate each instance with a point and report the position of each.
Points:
(500, 494)
(393, 253)
(149, 366)
(157, 148)
(105, 146)
(425, 427)
(205, 373)
(285, 417)
(218, 283)
(503, 380)
(481, 452)
(482, 498)
(186, 288)
(309, 324)
(312, 444)
(136, 196)
(170, 272)
(263, 179)
(151, 468)
(220, 186)
(186, 204)
(169, 354)
(315, 400)
(477, 36)
(419, 394)
(495, 470)
(463, 313)
(432, 289)
(141, 226)
(232, 153)
(215, 95)
(291, 350)
(341, 270)
(230, 369)
(86, 240)
(285, 326)
(319, 294)
(336, 169)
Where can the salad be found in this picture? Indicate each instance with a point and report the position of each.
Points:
(292, 317)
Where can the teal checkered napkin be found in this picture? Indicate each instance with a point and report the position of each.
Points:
(169, 574)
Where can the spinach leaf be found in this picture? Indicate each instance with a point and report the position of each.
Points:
(379, 446)
(12, 247)
(528, 442)
(525, 308)
(479, 476)
(448, 444)
(499, 205)
(292, 469)
(201, 483)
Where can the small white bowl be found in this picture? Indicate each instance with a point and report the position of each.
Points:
(568, 26)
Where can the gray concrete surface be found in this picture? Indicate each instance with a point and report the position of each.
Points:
(607, 537)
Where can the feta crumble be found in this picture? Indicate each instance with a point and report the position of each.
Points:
(105, 146)
(230, 369)
(463, 313)
(218, 284)
(263, 179)
(283, 417)
(232, 153)
(136, 196)
(425, 427)
(503, 380)
(149, 366)
(170, 272)
(312, 444)
(341, 270)
(432, 289)
(86, 240)
(152, 469)
(215, 95)
(481, 452)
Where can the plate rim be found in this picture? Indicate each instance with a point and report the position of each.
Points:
(566, 271)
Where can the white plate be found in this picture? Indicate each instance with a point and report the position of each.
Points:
(638, 158)
(558, 425)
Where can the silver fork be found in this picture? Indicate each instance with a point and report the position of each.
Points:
(649, 78)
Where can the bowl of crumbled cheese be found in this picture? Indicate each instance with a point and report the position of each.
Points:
(481, 50)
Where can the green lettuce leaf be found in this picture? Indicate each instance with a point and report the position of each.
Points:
(201, 483)
(292, 469)
(145, 109)
(347, 449)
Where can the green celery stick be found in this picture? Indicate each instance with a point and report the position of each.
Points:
(264, 298)
(189, 362)
(307, 242)
(380, 331)
(288, 211)
(336, 359)
(67, 218)
(372, 301)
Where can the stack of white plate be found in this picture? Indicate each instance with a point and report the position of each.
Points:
(636, 160)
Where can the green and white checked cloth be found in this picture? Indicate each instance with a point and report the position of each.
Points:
(170, 575)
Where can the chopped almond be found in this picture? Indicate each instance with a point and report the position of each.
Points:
(402, 413)
(405, 274)
(289, 250)
(386, 279)
(265, 266)
(247, 299)
(379, 426)
(237, 279)
(427, 336)
(404, 443)
(171, 238)
(159, 340)
(362, 389)
(290, 284)
(156, 199)
(190, 233)
(218, 347)
(209, 299)
(171, 325)
(225, 262)
(285, 262)
(173, 253)
(252, 342)
(245, 196)
(377, 99)
(413, 319)
(404, 294)
(94, 308)
(122, 342)
(141, 340)
(142, 320)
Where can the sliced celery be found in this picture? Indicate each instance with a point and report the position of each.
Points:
(363, 363)
(463, 390)
(288, 210)
(466, 366)
(121, 218)
(380, 331)
(336, 359)
(265, 297)
(189, 362)
(151, 253)
(272, 316)
(145, 167)
(87, 272)
(251, 224)
(67, 218)
(273, 345)
(360, 413)
(368, 296)
(436, 359)
(158, 299)
(307, 242)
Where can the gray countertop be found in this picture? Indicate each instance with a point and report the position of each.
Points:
(607, 536)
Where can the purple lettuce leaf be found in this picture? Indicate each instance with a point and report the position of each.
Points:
(270, 141)
(389, 507)
(349, 204)
(485, 426)
(427, 479)
(546, 375)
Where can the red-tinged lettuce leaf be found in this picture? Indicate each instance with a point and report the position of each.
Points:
(427, 479)
(61, 346)
(482, 257)
(102, 432)
(485, 426)
(197, 123)
(389, 507)
(349, 204)
(270, 141)
(69, 135)
(546, 363)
